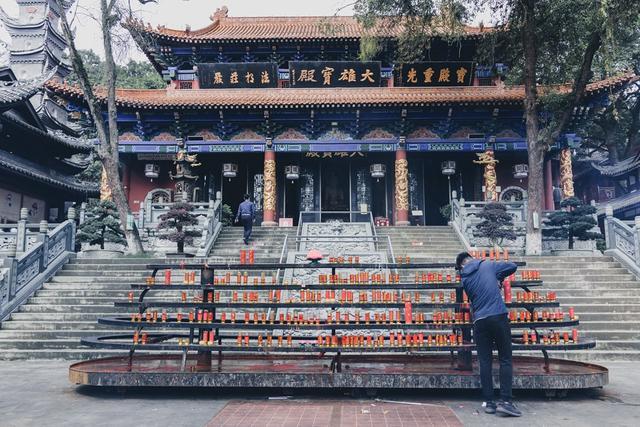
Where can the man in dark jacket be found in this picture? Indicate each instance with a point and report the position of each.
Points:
(482, 281)
(246, 214)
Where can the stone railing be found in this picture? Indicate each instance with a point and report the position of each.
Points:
(209, 215)
(622, 240)
(464, 220)
(212, 228)
(25, 269)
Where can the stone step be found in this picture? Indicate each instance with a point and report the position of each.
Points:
(63, 354)
(18, 324)
(629, 308)
(104, 267)
(606, 316)
(61, 317)
(594, 355)
(606, 324)
(67, 334)
(45, 310)
(618, 345)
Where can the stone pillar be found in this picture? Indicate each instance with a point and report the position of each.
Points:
(566, 174)
(402, 186)
(269, 203)
(548, 186)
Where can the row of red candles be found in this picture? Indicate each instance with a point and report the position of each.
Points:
(394, 340)
(247, 256)
(530, 337)
(330, 296)
(360, 297)
(557, 315)
(491, 254)
(335, 317)
(189, 278)
(332, 317)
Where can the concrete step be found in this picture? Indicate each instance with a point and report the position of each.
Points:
(69, 309)
(46, 325)
(61, 317)
(63, 354)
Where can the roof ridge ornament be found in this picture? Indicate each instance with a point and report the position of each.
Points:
(220, 14)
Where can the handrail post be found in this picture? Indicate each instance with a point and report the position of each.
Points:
(71, 216)
(21, 233)
(608, 227)
(44, 232)
(636, 239)
(83, 213)
(141, 217)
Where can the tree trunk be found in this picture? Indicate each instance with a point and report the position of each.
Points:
(535, 153)
(612, 145)
(107, 150)
(570, 240)
(181, 241)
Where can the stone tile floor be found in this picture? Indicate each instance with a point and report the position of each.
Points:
(333, 413)
(38, 393)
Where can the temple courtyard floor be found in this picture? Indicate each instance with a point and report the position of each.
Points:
(38, 393)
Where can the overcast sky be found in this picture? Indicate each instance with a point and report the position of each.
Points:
(178, 13)
(196, 13)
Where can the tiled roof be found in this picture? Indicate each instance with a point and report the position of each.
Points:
(368, 96)
(25, 168)
(621, 167)
(226, 28)
(65, 144)
(13, 92)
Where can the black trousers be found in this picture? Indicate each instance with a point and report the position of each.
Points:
(487, 332)
(247, 223)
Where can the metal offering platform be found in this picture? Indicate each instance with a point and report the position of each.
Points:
(354, 325)
(298, 371)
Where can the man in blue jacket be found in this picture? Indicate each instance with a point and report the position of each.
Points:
(482, 281)
(246, 214)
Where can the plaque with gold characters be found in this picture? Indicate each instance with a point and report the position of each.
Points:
(334, 73)
(426, 74)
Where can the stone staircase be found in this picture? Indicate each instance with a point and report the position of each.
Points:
(51, 323)
(604, 294)
(423, 244)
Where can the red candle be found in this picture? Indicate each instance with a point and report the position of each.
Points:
(574, 335)
(167, 277)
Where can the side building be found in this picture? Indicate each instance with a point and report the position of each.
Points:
(41, 151)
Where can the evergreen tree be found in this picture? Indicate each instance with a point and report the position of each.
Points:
(496, 225)
(102, 224)
(574, 221)
(175, 223)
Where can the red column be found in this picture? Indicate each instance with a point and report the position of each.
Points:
(402, 187)
(548, 186)
(269, 195)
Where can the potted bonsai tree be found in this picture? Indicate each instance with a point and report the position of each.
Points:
(574, 221)
(101, 227)
(176, 224)
(496, 225)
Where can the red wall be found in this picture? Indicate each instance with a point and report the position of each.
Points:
(138, 185)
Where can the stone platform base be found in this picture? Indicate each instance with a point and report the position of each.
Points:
(379, 372)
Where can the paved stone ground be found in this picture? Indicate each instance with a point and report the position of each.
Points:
(38, 393)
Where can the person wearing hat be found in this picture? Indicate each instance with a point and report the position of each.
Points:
(482, 280)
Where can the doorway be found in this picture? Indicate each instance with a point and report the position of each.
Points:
(335, 189)
(292, 200)
(379, 197)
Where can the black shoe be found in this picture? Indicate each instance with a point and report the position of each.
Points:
(489, 407)
(508, 408)
(246, 242)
